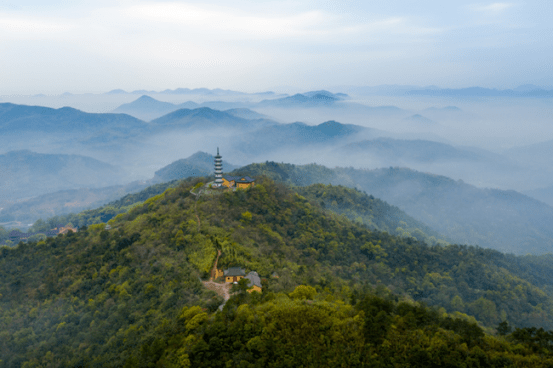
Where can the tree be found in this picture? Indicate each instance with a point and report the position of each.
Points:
(503, 328)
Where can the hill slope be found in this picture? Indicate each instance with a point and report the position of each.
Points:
(504, 220)
(117, 298)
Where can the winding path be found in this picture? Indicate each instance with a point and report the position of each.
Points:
(222, 289)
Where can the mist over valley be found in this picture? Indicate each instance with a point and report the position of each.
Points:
(150, 141)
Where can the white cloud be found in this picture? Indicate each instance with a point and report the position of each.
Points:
(31, 28)
(226, 22)
(492, 8)
(174, 43)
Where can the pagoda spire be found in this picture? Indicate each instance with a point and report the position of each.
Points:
(218, 170)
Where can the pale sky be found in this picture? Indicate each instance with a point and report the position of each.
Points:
(96, 46)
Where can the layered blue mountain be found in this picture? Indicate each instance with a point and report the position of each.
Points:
(422, 151)
(206, 119)
(313, 98)
(299, 136)
(202, 91)
(197, 165)
(147, 108)
(522, 91)
(27, 174)
(420, 121)
(246, 113)
(23, 118)
(538, 157)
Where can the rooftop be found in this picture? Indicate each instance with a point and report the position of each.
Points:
(239, 179)
(254, 279)
(233, 272)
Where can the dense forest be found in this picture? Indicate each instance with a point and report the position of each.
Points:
(348, 292)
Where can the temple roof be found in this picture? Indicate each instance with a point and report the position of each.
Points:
(239, 179)
(234, 272)
(254, 279)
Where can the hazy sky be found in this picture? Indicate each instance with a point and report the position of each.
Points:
(97, 46)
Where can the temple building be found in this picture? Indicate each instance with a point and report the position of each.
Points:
(227, 180)
(233, 274)
(218, 170)
(237, 182)
(254, 282)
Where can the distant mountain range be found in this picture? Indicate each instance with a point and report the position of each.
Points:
(148, 108)
(248, 136)
(206, 119)
(26, 174)
(528, 90)
(311, 98)
(522, 91)
(300, 136)
(188, 91)
(23, 118)
(197, 165)
(423, 151)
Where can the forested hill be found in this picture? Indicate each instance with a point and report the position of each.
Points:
(503, 220)
(124, 296)
(355, 205)
(366, 209)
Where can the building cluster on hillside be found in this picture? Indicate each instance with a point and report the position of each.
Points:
(227, 180)
(16, 236)
(236, 274)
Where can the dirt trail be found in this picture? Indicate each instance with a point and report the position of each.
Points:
(222, 289)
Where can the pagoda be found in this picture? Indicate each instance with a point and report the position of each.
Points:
(218, 170)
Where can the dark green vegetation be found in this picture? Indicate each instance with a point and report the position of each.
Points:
(310, 329)
(504, 220)
(367, 210)
(125, 296)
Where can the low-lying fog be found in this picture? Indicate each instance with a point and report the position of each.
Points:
(499, 125)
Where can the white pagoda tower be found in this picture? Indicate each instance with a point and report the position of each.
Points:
(218, 170)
